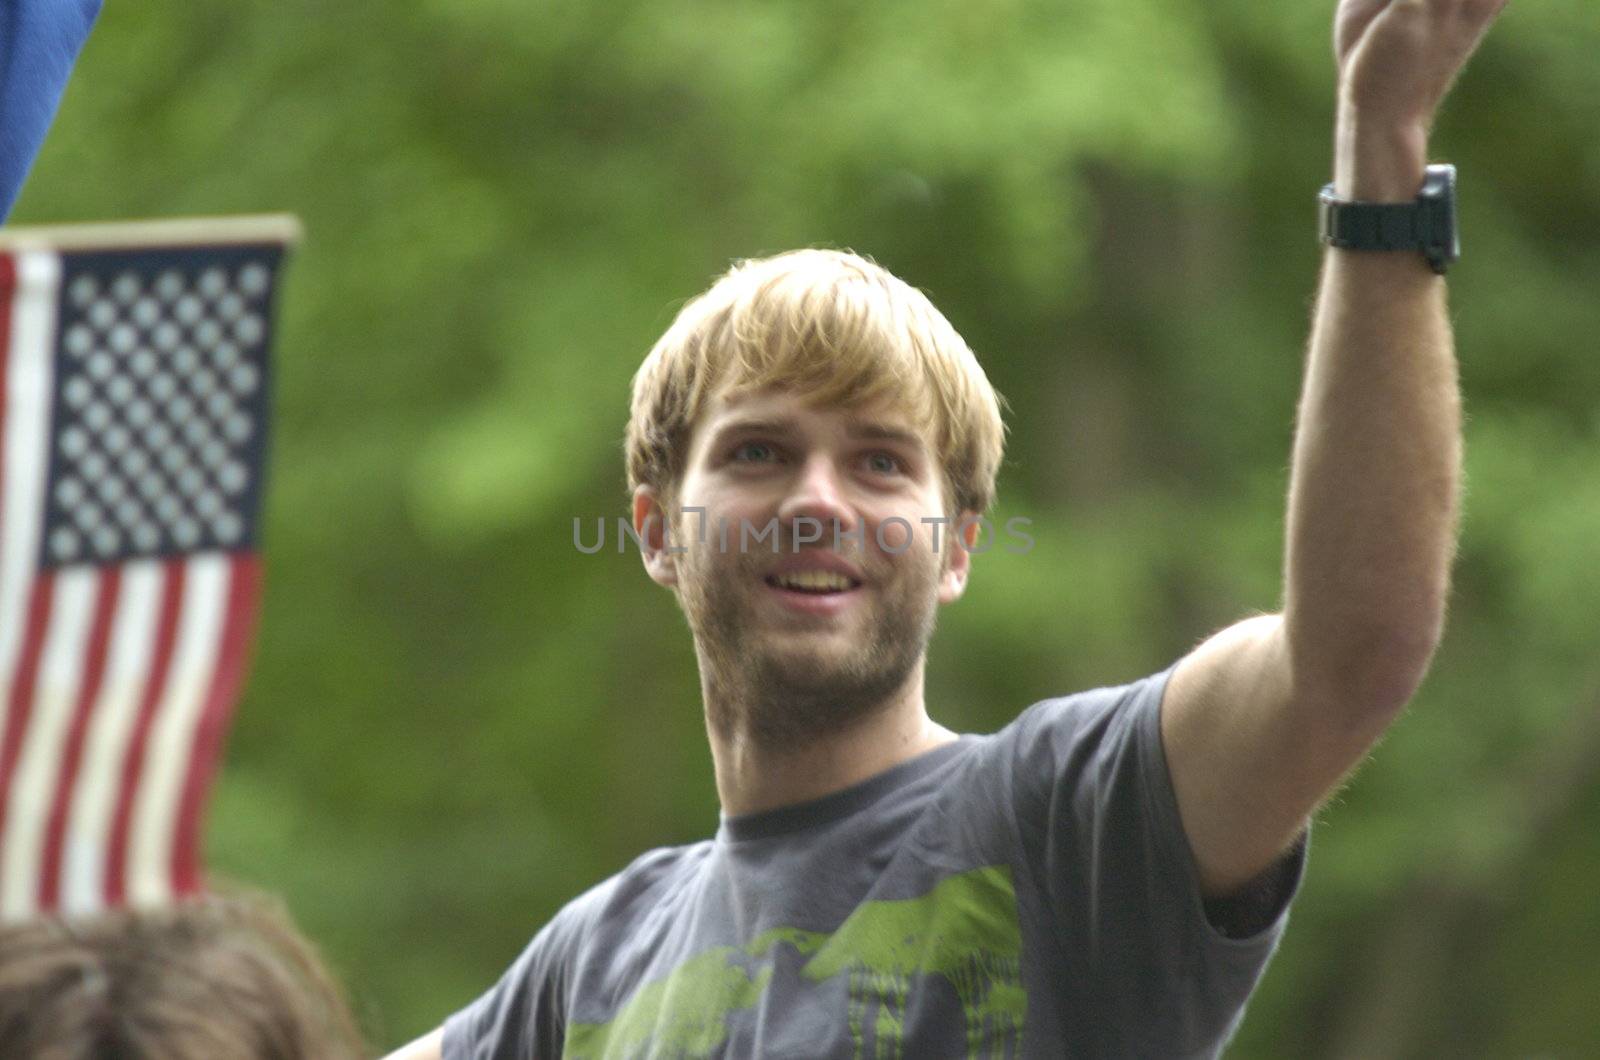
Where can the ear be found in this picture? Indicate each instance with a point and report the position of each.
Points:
(650, 523)
(962, 537)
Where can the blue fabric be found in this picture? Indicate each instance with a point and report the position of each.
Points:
(39, 42)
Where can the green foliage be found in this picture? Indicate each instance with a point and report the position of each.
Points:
(456, 721)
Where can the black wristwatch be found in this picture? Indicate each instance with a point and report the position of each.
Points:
(1428, 225)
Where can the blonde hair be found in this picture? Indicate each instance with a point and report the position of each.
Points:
(831, 325)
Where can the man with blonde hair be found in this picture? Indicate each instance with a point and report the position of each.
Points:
(1109, 874)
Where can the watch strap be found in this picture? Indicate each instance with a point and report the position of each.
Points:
(1372, 226)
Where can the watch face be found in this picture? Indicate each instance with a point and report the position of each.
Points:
(1438, 201)
(1440, 183)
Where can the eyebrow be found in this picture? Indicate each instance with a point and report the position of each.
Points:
(859, 429)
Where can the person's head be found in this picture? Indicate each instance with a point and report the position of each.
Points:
(211, 978)
(870, 419)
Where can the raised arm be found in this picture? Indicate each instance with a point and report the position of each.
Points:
(1262, 721)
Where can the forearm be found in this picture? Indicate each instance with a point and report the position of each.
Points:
(1374, 492)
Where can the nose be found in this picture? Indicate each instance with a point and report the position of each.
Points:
(817, 495)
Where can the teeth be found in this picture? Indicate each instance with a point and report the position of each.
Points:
(814, 579)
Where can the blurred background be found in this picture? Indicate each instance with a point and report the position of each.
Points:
(456, 721)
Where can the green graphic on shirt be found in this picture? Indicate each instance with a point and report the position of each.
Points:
(965, 930)
(681, 1015)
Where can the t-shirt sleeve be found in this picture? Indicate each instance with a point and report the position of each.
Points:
(1100, 830)
(39, 42)
(523, 1016)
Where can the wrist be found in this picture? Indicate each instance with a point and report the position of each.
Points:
(1378, 161)
(1426, 222)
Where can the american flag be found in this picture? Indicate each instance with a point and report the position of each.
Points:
(133, 427)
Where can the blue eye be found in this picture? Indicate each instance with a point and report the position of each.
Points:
(747, 446)
(892, 461)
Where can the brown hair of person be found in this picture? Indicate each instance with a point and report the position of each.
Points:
(210, 978)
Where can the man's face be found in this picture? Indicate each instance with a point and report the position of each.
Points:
(811, 581)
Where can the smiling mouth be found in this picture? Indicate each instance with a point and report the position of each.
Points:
(815, 597)
(820, 584)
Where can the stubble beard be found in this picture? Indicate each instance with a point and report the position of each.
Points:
(760, 685)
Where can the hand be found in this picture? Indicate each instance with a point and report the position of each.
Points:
(1398, 58)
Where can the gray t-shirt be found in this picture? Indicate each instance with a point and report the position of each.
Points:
(1025, 894)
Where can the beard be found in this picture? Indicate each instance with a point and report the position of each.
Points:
(781, 685)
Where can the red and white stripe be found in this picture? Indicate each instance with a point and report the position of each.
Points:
(116, 682)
